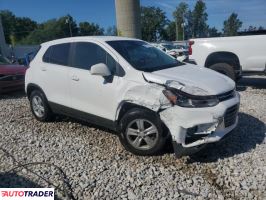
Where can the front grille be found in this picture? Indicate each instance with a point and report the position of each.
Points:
(227, 95)
(230, 116)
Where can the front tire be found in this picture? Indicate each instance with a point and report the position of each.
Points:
(142, 132)
(225, 69)
(39, 106)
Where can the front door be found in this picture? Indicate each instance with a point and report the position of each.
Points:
(95, 95)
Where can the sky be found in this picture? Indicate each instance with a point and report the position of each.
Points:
(102, 12)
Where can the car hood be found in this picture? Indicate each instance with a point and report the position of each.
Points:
(189, 77)
(12, 69)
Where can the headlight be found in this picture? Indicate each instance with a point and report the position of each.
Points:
(177, 97)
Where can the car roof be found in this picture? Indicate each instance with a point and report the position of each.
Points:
(95, 38)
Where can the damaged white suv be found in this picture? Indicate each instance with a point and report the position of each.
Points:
(131, 87)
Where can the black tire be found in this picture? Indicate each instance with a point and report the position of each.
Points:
(225, 69)
(151, 117)
(47, 112)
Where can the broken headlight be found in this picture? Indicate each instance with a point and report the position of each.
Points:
(180, 98)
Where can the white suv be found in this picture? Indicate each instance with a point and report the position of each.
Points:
(131, 87)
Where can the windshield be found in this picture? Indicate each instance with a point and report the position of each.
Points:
(4, 60)
(143, 56)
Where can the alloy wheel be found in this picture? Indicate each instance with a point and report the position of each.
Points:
(38, 106)
(142, 134)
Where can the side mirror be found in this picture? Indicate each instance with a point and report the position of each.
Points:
(100, 69)
(164, 49)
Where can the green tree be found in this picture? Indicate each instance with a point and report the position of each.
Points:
(232, 25)
(189, 25)
(171, 32)
(111, 31)
(252, 28)
(23, 27)
(200, 18)
(153, 23)
(8, 19)
(46, 31)
(52, 29)
(16, 28)
(67, 26)
(179, 15)
(213, 32)
(86, 28)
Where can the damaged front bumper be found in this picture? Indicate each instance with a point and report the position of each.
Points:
(192, 128)
(189, 149)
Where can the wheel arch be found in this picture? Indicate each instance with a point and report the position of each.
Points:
(126, 106)
(31, 87)
(223, 57)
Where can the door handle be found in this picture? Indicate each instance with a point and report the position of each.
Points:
(75, 78)
(43, 68)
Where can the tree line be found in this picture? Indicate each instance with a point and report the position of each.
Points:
(23, 30)
(187, 23)
(155, 26)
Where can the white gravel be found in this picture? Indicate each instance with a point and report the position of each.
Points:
(97, 167)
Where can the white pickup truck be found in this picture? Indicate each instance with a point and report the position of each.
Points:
(232, 56)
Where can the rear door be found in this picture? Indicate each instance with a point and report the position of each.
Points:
(54, 73)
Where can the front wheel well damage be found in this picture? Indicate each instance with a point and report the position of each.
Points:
(127, 106)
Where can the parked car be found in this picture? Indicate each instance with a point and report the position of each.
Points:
(27, 58)
(135, 89)
(182, 47)
(11, 75)
(172, 50)
(232, 56)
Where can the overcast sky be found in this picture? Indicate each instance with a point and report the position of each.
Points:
(251, 12)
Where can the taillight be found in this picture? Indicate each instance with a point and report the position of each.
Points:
(190, 47)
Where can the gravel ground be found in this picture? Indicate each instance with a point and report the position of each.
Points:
(93, 165)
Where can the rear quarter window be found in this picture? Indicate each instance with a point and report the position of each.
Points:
(57, 54)
(46, 56)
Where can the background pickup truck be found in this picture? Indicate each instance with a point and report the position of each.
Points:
(231, 56)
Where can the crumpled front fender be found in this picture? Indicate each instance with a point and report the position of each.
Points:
(149, 96)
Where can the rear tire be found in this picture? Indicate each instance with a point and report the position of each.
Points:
(142, 132)
(39, 106)
(225, 69)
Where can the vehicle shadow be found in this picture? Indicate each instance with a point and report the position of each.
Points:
(249, 132)
(13, 180)
(62, 118)
(13, 95)
(254, 82)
